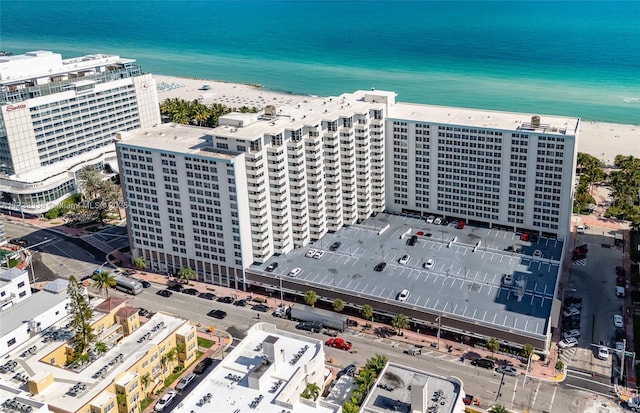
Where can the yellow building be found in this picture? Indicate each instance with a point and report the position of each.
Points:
(133, 360)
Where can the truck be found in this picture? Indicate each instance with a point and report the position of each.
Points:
(328, 319)
(414, 350)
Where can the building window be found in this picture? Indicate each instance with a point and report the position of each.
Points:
(11, 342)
(21, 284)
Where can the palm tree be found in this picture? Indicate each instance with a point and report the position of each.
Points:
(400, 322)
(91, 180)
(377, 363)
(101, 348)
(367, 312)
(350, 407)
(311, 391)
(168, 358)
(310, 297)
(498, 408)
(146, 380)
(493, 345)
(366, 378)
(104, 279)
(338, 305)
(111, 194)
(527, 350)
(140, 263)
(187, 274)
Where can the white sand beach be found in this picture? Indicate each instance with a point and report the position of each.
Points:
(600, 139)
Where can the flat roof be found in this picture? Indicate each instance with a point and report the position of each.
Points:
(462, 283)
(480, 118)
(173, 137)
(11, 274)
(229, 393)
(7, 392)
(442, 392)
(28, 309)
(112, 364)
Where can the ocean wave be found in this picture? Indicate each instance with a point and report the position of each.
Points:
(632, 100)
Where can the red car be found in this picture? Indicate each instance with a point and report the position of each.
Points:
(582, 249)
(339, 343)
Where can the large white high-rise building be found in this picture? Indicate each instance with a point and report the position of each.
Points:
(59, 115)
(279, 179)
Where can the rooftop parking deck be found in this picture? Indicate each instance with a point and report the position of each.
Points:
(465, 281)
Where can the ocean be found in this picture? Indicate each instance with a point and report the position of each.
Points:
(573, 58)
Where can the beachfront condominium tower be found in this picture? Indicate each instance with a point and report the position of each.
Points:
(274, 181)
(59, 115)
(498, 169)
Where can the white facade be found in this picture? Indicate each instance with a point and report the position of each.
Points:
(14, 287)
(16, 400)
(502, 169)
(59, 115)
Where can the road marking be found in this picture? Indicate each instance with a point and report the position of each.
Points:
(515, 389)
(578, 372)
(589, 390)
(535, 395)
(555, 388)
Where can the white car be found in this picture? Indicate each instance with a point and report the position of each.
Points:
(310, 253)
(430, 219)
(404, 259)
(429, 264)
(295, 272)
(571, 312)
(437, 221)
(603, 353)
(537, 253)
(403, 295)
(184, 382)
(568, 342)
(319, 254)
(164, 401)
(571, 333)
(507, 280)
(618, 321)
(620, 348)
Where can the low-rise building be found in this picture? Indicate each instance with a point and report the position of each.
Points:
(14, 400)
(14, 287)
(267, 372)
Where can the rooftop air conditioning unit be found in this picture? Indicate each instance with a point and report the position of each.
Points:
(535, 121)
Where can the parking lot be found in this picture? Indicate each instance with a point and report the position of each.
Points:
(466, 280)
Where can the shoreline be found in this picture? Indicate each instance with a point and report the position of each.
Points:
(604, 140)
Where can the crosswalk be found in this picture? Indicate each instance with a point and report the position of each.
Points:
(97, 243)
(580, 262)
(567, 355)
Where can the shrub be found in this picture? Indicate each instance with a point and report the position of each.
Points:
(559, 365)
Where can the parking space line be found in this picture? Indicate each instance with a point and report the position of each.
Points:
(356, 287)
(322, 281)
(381, 292)
(490, 288)
(365, 287)
(426, 302)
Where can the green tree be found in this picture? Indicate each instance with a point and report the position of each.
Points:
(80, 313)
(350, 407)
(377, 363)
(186, 274)
(121, 399)
(145, 381)
(104, 279)
(493, 345)
(140, 263)
(90, 181)
(338, 305)
(101, 348)
(366, 312)
(498, 408)
(366, 378)
(400, 322)
(310, 297)
(527, 350)
(312, 391)
(111, 197)
(168, 358)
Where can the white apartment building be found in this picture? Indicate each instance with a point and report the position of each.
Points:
(278, 179)
(509, 170)
(59, 115)
(14, 287)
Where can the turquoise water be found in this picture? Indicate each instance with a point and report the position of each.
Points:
(570, 58)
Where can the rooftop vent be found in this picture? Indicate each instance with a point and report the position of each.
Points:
(270, 110)
(535, 121)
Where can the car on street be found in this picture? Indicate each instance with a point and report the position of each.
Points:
(404, 259)
(577, 257)
(190, 291)
(508, 370)
(185, 381)
(620, 334)
(219, 314)
(310, 253)
(143, 312)
(603, 353)
(413, 240)
(164, 402)
(618, 321)
(507, 280)
(430, 219)
(340, 343)
(403, 295)
(437, 221)
(525, 236)
(226, 300)
(620, 271)
(568, 342)
(295, 272)
(261, 308)
(203, 365)
(335, 246)
(271, 267)
(570, 324)
(241, 303)
(176, 287)
(619, 348)
(581, 249)
(349, 370)
(429, 264)
(319, 254)
(207, 296)
(573, 299)
(460, 225)
(165, 293)
(380, 267)
(145, 283)
(571, 333)
(281, 312)
(313, 326)
(571, 312)
(484, 363)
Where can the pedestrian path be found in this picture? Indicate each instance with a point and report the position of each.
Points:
(567, 355)
(97, 243)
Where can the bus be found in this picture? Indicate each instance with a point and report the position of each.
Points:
(128, 285)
